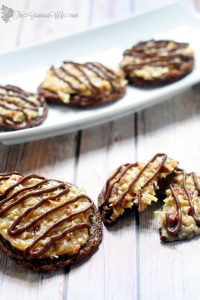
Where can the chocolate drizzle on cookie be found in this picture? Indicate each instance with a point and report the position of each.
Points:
(11, 198)
(157, 62)
(121, 171)
(13, 101)
(53, 239)
(5, 176)
(172, 218)
(68, 76)
(173, 231)
(157, 53)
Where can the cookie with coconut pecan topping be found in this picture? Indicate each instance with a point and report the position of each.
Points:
(46, 224)
(134, 184)
(82, 85)
(156, 63)
(20, 109)
(180, 215)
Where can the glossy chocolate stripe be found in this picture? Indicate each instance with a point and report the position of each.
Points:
(54, 239)
(15, 89)
(192, 211)
(12, 230)
(18, 93)
(107, 70)
(152, 51)
(18, 106)
(194, 176)
(70, 74)
(146, 56)
(109, 187)
(133, 181)
(99, 73)
(57, 224)
(158, 63)
(91, 86)
(8, 98)
(31, 194)
(98, 69)
(22, 96)
(151, 56)
(173, 231)
(178, 207)
(139, 197)
(121, 197)
(158, 170)
(11, 108)
(6, 118)
(80, 74)
(24, 179)
(10, 173)
(56, 73)
(158, 45)
(5, 178)
(30, 187)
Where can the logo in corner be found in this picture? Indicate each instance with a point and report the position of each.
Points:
(6, 13)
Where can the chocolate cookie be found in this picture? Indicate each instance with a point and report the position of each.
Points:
(156, 63)
(133, 184)
(46, 224)
(20, 109)
(180, 215)
(82, 85)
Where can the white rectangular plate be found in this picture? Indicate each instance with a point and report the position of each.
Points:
(26, 67)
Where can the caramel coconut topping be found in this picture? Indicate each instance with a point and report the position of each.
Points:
(134, 183)
(43, 218)
(20, 109)
(180, 216)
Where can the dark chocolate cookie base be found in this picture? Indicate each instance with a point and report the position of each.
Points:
(105, 215)
(82, 101)
(48, 264)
